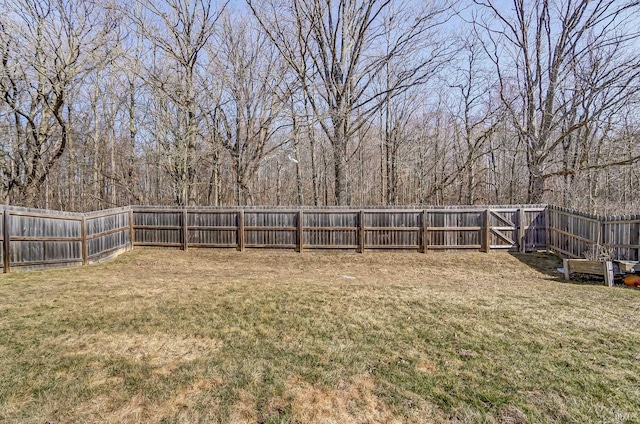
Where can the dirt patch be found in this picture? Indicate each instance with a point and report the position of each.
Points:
(426, 367)
(244, 411)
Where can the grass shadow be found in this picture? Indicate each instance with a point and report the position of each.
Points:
(548, 264)
(543, 262)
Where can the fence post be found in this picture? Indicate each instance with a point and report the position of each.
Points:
(6, 245)
(361, 237)
(522, 235)
(425, 232)
(565, 268)
(185, 230)
(487, 230)
(132, 230)
(83, 235)
(240, 235)
(300, 232)
(608, 273)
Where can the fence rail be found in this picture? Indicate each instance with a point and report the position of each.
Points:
(573, 234)
(36, 239)
(521, 228)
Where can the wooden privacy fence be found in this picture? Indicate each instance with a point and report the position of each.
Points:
(36, 239)
(496, 227)
(573, 233)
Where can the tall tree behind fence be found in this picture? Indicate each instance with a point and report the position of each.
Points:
(37, 239)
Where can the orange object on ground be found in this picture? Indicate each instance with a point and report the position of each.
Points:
(632, 280)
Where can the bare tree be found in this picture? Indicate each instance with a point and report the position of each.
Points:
(337, 53)
(536, 47)
(178, 32)
(477, 113)
(46, 46)
(248, 96)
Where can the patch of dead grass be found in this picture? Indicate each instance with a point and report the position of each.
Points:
(163, 352)
(351, 402)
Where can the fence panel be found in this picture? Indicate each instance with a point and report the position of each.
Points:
(108, 233)
(330, 229)
(211, 228)
(392, 229)
(267, 228)
(571, 233)
(40, 239)
(454, 229)
(622, 236)
(158, 227)
(535, 228)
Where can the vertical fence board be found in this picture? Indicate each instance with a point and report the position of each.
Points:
(522, 224)
(36, 238)
(85, 249)
(487, 230)
(6, 248)
(241, 231)
(425, 232)
(300, 233)
(132, 231)
(361, 234)
(185, 230)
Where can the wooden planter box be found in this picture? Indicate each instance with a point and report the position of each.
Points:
(583, 266)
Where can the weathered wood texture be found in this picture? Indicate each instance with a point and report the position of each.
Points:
(573, 234)
(34, 239)
(342, 228)
(38, 239)
(583, 266)
(107, 233)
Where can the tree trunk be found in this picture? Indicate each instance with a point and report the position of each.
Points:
(314, 164)
(71, 170)
(299, 176)
(536, 184)
(278, 183)
(213, 197)
(470, 186)
(132, 142)
(342, 196)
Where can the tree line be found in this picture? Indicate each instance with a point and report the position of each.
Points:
(319, 102)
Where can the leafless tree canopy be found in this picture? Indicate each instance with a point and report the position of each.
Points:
(350, 102)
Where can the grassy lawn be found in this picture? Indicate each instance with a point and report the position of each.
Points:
(323, 337)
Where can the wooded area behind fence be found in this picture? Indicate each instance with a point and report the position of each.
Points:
(36, 239)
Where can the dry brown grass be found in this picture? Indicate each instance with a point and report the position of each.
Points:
(329, 337)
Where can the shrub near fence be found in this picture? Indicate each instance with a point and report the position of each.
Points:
(36, 239)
